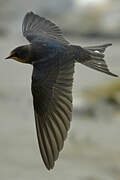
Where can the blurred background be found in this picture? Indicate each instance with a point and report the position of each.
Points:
(92, 149)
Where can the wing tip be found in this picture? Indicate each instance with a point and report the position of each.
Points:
(50, 167)
(30, 13)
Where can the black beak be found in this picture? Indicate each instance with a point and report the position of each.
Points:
(8, 57)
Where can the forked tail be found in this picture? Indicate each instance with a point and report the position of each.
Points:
(93, 57)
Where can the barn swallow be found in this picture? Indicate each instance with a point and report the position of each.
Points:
(53, 59)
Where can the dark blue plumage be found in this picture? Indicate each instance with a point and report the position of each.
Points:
(53, 60)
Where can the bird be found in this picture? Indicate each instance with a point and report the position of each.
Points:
(53, 59)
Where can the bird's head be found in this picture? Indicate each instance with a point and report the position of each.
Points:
(20, 54)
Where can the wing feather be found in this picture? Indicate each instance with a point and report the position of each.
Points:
(37, 28)
(52, 99)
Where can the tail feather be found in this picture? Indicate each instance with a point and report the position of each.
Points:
(96, 58)
(101, 66)
(100, 48)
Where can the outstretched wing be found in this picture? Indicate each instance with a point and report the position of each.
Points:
(52, 99)
(38, 28)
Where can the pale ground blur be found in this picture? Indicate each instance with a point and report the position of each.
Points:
(92, 149)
